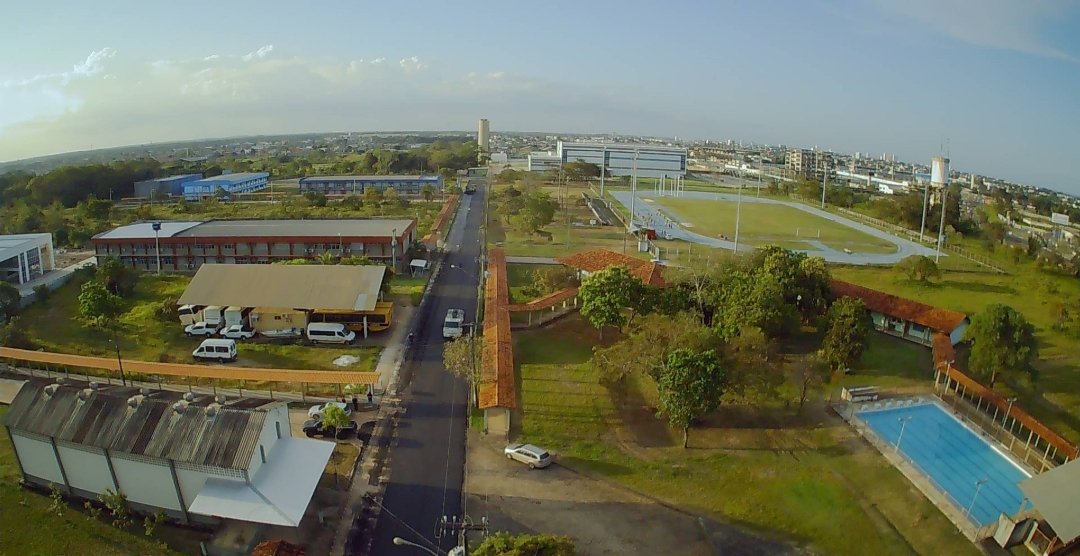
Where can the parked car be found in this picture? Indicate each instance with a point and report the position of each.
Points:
(215, 349)
(316, 411)
(237, 332)
(533, 456)
(202, 328)
(315, 427)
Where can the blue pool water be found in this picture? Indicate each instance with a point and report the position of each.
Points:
(955, 458)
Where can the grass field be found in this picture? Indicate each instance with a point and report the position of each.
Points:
(141, 335)
(762, 224)
(811, 482)
(27, 526)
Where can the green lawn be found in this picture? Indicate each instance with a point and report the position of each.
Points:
(813, 484)
(1055, 397)
(56, 326)
(761, 224)
(28, 527)
(409, 286)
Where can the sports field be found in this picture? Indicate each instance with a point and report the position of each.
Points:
(762, 224)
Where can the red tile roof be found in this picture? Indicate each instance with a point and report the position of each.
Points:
(544, 302)
(498, 386)
(277, 548)
(441, 221)
(935, 318)
(598, 259)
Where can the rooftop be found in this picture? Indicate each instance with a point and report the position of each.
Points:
(166, 179)
(497, 387)
(123, 420)
(233, 178)
(621, 146)
(596, 260)
(1054, 494)
(935, 318)
(312, 287)
(367, 178)
(17, 240)
(365, 228)
(142, 230)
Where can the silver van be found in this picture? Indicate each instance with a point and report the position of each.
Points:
(329, 333)
(215, 349)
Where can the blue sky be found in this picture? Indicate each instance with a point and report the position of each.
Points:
(1000, 79)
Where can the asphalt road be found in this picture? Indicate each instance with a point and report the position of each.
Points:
(427, 461)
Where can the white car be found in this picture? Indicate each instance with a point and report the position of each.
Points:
(533, 456)
(202, 328)
(316, 411)
(238, 332)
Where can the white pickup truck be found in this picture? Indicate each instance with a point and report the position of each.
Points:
(452, 325)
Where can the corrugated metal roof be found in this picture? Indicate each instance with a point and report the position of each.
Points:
(367, 178)
(300, 228)
(233, 178)
(312, 287)
(159, 428)
(143, 230)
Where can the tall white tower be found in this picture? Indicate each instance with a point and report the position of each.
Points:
(482, 136)
(939, 171)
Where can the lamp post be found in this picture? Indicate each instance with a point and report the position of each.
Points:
(903, 423)
(978, 486)
(119, 362)
(738, 215)
(402, 542)
(157, 244)
(1007, 412)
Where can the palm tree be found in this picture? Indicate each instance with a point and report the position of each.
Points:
(326, 257)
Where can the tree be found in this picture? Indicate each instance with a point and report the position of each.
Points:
(690, 387)
(427, 192)
(1002, 341)
(356, 260)
(811, 373)
(97, 303)
(919, 267)
(606, 294)
(119, 279)
(505, 544)
(462, 358)
(326, 258)
(995, 231)
(645, 348)
(334, 416)
(373, 196)
(753, 365)
(9, 301)
(845, 339)
(13, 335)
(390, 195)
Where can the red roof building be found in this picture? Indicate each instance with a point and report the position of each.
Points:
(905, 318)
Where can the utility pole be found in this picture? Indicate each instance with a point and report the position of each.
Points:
(157, 245)
(941, 226)
(925, 199)
(824, 186)
(738, 216)
(460, 527)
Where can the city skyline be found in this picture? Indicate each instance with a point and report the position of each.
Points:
(996, 79)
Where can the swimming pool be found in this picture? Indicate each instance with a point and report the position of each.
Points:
(974, 474)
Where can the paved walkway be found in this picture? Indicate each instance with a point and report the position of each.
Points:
(669, 222)
(54, 278)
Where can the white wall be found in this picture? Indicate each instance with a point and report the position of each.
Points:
(191, 483)
(37, 457)
(146, 483)
(268, 437)
(86, 470)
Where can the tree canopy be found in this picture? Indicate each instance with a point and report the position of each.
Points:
(97, 303)
(462, 358)
(505, 544)
(690, 387)
(607, 295)
(848, 326)
(1002, 342)
(919, 267)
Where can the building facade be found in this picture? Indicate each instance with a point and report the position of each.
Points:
(810, 163)
(195, 458)
(185, 246)
(647, 161)
(542, 162)
(356, 185)
(24, 257)
(159, 188)
(227, 184)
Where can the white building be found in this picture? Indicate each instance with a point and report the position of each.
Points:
(195, 458)
(24, 257)
(543, 161)
(620, 159)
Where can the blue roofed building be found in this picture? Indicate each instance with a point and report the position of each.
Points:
(356, 185)
(168, 186)
(228, 184)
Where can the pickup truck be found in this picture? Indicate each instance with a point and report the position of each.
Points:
(453, 323)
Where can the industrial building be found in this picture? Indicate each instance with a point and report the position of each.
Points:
(24, 257)
(542, 162)
(810, 163)
(196, 458)
(227, 184)
(618, 159)
(160, 188)
(291, 296)
(356, 185)
(185, 246)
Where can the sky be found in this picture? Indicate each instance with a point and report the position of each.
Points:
(998, 81)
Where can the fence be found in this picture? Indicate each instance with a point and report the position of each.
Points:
(939, 496)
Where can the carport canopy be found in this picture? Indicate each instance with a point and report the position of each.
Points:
(1054, 494)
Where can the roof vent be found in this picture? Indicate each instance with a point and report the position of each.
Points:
(62, 380)
(179, 407)
(94, 385)
(144, 391)
(134, 401)
(189, 397)
(51, 389)
(212, 410)
(85, 394)
(220, 398)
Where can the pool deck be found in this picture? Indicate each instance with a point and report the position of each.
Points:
(951, 509)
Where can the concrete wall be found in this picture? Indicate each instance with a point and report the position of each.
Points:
(263, 319)
(86, 469)
(268, 437)
(146, 483)
(497, 421)
(37, 457)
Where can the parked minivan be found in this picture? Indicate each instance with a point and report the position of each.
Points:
(330, 333)
(215, 349)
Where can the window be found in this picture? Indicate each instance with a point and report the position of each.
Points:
(277, 428)
(262, 453)
(229, 246)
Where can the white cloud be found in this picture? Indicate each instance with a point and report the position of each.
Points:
(262, 52)
(411, 64)
(211, 58)
(1002, 24)
(48, 95)
(378, 60)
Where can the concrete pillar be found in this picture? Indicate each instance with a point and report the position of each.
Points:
(365, 326)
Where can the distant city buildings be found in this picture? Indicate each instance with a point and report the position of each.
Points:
(809, 163)
(227, 184)
(622, 159)
(356, 185)
(160, 188)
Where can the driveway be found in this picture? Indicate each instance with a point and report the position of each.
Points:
(601, 518)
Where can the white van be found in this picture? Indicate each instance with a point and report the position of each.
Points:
(330, 333)
(215, 350)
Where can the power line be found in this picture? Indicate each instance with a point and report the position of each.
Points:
(407, 526)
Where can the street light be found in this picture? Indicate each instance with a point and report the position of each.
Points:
(903, 423)
(119, 362)
(738, 214)
(1007, 412)
(978, 487)
(467, 273)
(402, 542)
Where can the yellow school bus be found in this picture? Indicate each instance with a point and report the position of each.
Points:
(377, 319)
